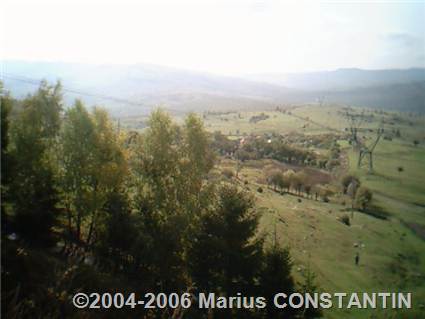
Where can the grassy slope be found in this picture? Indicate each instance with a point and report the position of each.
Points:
(392, 258)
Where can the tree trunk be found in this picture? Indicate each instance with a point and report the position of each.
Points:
(91, 228)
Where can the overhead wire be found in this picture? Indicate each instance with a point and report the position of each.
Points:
(67, 89)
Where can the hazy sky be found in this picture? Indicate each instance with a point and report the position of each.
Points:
(220, 36)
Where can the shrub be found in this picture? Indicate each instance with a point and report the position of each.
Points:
(227, 172)
(260, 189)
(345, 220)
(347, 180)
(363, 198)
(324, 192)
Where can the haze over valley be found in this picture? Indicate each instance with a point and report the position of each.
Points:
(136, 89)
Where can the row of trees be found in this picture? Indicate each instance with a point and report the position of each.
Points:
(254, 148)
(257, 148)
(298, 183)
(83, 209)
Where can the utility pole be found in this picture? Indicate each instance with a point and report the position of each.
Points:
(366, 152)
(321, 100)
(354, 122)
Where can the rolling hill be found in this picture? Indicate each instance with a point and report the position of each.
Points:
(128, 90)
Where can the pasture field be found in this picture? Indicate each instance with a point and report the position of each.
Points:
(392, 250)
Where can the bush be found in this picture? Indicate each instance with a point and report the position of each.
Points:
(363, 198)
(227, 172)
(260, 189)
(324, 192)
(345, 219)
(347, 180)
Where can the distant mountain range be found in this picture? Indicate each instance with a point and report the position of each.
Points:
(135, 89)
(342, 79)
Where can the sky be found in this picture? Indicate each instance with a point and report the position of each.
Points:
(232, 37)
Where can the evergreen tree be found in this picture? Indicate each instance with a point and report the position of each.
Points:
(117, 235)
(225, 256)
(6, 160)
(275, 278)
(309, 286)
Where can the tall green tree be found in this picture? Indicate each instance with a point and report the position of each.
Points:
(6, 163)
(196, 149)
(155, 163)
(309, 286)
(118, 236)
(77, 140)
(225, 255)
(195, 162)
(34, 189)
(161, 198)
(275, 278)
(93, 166)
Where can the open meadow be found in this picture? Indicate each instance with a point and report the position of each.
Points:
(391, 245)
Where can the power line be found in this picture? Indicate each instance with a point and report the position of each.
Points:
(79, 92)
